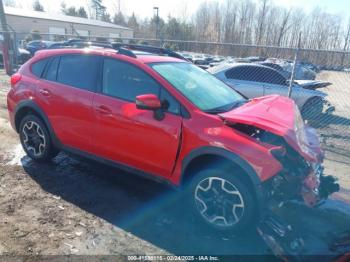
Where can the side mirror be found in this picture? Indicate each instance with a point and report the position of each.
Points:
(148, 102)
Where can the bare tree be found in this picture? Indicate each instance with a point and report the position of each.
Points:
(285, 26)
(262, 14)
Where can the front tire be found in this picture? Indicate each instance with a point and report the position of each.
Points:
(35, 139)
(312, 109)
(221, 202)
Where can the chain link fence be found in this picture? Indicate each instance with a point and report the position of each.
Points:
(325, 59)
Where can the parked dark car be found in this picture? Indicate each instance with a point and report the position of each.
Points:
(23, 56)
(36, 45)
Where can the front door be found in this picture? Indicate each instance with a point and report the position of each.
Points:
(126, 134)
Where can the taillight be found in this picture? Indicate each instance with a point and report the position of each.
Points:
(15, 78)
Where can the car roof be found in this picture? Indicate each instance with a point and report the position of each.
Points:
(143, 57)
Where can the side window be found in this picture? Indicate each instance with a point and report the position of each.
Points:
(272, 77)
(78, 71)
(253, 74)
(51, 72)
(38, 67)
(172, 105)
(240, 73)
(257, 74)
(235, 73)
(125, 81)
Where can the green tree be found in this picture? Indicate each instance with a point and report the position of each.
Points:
(173, 28)
(119, 19)
(99, 9)
(81, 12)
(37, 6)
(71, 11)
(105, 17)
(132, 22)
(63, 7)
(161, 25)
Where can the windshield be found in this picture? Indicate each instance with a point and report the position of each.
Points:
(203, 89)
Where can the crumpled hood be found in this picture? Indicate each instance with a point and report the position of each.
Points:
(278, 115)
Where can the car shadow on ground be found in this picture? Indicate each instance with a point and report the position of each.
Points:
(151, 211)
(155, 212)
(325, 120)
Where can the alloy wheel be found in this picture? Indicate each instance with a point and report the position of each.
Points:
(33, 138)
(219, 202)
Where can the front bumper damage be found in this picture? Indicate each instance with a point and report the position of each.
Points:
(308, 185)
(296, 182)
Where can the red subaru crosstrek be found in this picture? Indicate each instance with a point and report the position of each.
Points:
(172, 121)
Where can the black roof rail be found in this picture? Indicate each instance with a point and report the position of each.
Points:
(89, 43)
(149, 49)
(127, 52)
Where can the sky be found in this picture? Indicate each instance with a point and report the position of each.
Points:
(184, 8)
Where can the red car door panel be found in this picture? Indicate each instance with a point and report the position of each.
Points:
(69, 112)
(134, 137)
(69, 106)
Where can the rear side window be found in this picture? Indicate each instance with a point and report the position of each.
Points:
(246, 73)
(256, 74)
(271, 76)
(38, 67)
(79, 71)
(51, 72)
(239, 73)
(125, 81)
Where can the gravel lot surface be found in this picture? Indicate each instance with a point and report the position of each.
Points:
(74, 206)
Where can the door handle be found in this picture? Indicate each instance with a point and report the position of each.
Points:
(45, 92)
(104, 110)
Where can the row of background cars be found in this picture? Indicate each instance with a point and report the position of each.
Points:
(251, 76)
(258, 76)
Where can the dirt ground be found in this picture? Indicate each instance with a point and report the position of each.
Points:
(73, 206)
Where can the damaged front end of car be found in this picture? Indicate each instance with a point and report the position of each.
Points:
(295, 145)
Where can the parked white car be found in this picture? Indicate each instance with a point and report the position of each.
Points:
(253, 80)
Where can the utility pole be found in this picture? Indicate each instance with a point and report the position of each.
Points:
(157, 21)
(7, 41)
(290, 87)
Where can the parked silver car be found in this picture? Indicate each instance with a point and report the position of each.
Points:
(253, 80)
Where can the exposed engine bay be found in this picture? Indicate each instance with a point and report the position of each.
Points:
(299, 179)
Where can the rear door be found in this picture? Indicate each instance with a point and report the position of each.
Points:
(274, 82)
(66, 93)
(244, 80)
(131, 136)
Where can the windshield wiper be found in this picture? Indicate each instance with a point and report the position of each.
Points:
(225, 108)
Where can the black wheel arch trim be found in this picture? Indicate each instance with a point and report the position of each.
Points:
(221, 152)
(37, 109)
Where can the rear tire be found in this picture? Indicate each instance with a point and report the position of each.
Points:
(35, 139)
(221, 202)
